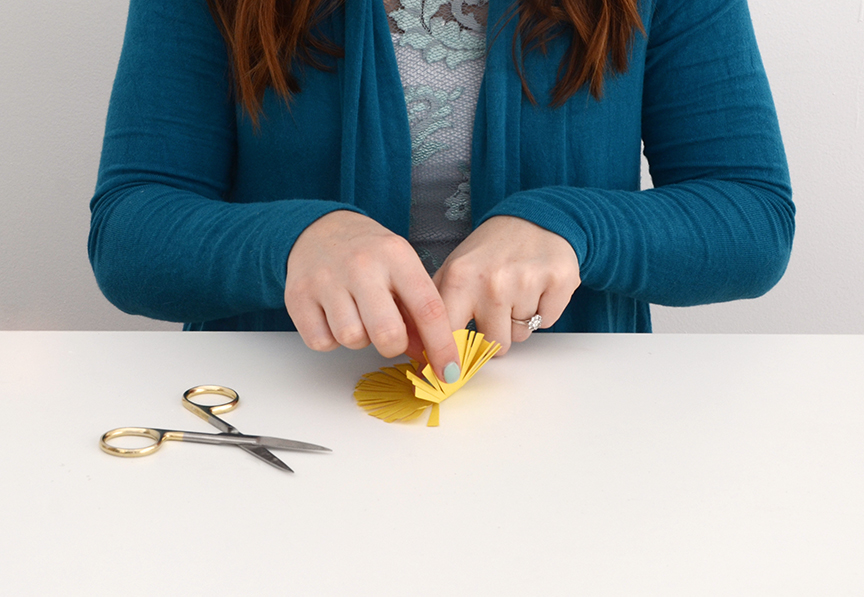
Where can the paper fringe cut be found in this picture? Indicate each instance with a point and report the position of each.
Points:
(398, 393)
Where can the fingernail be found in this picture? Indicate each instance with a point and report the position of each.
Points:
(451, 373)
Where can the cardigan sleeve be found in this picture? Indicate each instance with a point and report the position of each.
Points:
(719, 222)
(165, 239)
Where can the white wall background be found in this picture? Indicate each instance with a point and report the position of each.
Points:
(57, 61)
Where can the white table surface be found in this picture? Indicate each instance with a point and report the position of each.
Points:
(577, 464)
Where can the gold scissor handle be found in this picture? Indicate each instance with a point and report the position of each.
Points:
(205, 411)
(157, 435)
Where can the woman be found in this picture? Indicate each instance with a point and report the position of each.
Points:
(265, 161)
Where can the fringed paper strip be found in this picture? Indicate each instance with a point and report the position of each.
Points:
(399, 393)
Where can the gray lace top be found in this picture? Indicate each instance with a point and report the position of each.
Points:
(440, 46)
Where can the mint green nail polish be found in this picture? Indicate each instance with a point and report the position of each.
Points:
(451, 373)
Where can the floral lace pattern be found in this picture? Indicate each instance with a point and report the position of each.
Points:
(428, 112)
(440, 46)
(427, 28)
(459, 203)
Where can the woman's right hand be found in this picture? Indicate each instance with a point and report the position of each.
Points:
(350, 281)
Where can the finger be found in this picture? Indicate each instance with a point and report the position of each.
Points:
(311, 324)
(550, 306)
(493, 321)
(554, 300)
(458, 291)
(459, 304)
(382, 320)
(344, 319)
(520, 331)
(415, 344)
(424, 307)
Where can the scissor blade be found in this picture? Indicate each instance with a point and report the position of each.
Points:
(267, 456)
(260, 452)
(277, 443)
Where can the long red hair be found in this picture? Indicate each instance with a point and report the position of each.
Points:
(266, 37)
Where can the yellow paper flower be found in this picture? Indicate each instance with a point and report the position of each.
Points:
(399, 393)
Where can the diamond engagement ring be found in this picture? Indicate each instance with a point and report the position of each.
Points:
(533, 323)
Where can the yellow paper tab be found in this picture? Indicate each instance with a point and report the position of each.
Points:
(402, 392)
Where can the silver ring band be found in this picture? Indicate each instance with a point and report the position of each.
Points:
(533, 323)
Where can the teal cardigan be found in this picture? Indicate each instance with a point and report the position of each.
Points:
(195, 210)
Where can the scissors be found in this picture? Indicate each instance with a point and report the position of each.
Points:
(254, 444)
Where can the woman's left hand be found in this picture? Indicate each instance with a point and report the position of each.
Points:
(508, 268)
